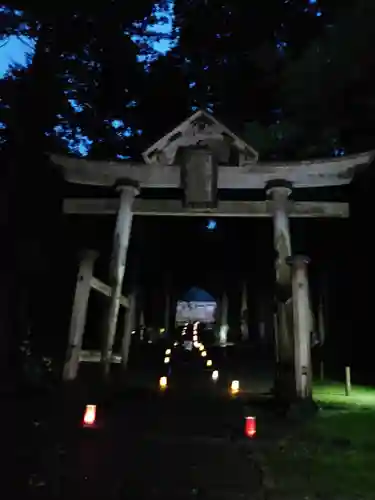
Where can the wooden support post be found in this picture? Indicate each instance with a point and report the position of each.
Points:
(78, 319)
(129, 325)
(128, 191)
(223, 336)
(279, 191)
(302, 327)
(348, 381)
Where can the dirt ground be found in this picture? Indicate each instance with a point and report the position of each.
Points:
(187, 442)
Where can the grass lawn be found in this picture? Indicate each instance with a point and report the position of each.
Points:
(332, 456)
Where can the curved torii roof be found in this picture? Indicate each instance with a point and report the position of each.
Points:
(161, 168)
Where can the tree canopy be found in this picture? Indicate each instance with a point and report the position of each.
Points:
(292, 77)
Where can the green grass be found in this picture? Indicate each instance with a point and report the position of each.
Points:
(333, 393)
(332, 456)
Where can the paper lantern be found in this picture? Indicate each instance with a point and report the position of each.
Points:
(89, 416)
(163, 382)
(250, 426)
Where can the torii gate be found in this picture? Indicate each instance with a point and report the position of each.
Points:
(203, 157)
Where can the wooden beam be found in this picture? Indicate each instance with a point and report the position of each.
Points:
(107, 173)
(305, 209)
(306, 174)
(318, 209)
(95, 357)
(101, 287)
(313, 173)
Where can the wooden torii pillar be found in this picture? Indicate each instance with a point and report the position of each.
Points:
(279, 192)
(78, 319)
(301, 326)
(129, 325)
(224, 327)
(128, 191)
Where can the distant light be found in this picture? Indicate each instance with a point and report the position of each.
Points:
(215, 375)
(209, 362)
(235, 386)
(133, 332)
(250, 426)
(163, 382)
(195, 338)
(175, 344)
(167, 352)
(211, 225)
(167, 359)
(196, 345)
(201, 347)
(188, 345)
(204, 354)
(90, 415)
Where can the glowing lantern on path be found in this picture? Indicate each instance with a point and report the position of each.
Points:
(235, 387)
(209, 362)
(168, 352)
(215, 375)
(90, 415)
(167, 360)
(201, 347)
(204, 353)
(250, 426)
(163, 382)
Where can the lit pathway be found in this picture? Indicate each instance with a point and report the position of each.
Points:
(186, 441)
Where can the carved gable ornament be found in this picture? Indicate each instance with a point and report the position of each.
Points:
(201, 130)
